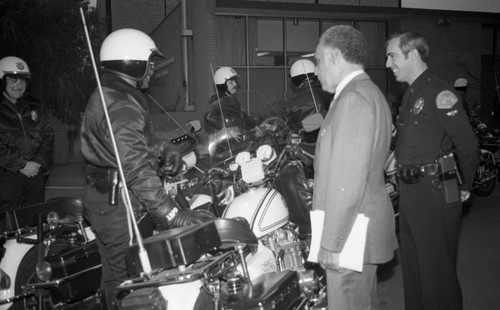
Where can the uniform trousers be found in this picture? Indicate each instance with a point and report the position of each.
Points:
(16, 190)
(352, 290)
(429, 230)
(111, 227)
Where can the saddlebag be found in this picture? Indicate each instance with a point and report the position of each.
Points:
(174, 247)
(273, 290)
(75, 274)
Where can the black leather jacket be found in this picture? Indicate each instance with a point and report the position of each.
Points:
(301, 105)
(138, 148)
(25, 134)
(234, 116)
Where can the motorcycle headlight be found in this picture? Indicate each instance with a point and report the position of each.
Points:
(44, 271)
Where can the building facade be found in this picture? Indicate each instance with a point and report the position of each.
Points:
(261, 39)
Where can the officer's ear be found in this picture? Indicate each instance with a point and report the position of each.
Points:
(413, 54)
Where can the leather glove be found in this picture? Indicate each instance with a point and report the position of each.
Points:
(170, 163)
(187, 217)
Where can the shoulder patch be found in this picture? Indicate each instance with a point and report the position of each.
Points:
(446, 99)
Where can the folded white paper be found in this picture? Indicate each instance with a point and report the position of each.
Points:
(353, 252)
(317, 220)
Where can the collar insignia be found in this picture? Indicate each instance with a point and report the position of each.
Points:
(418, 106)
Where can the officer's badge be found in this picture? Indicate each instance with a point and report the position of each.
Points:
(446, 99)
(418, 106)
(34, 116)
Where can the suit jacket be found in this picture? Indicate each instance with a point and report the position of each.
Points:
(352, 147)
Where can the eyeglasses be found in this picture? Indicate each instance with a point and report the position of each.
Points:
(16, 81)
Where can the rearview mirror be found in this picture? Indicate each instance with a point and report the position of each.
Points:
(312, 122)
(194, 125)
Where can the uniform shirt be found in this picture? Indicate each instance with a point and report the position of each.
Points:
(432, 122)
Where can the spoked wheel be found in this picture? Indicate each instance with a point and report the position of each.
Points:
(486, 188)
(26, 274)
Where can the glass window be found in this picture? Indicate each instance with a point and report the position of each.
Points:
(231, 38)
(302, 36)
(265, 39)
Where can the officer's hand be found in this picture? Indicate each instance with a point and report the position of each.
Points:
(234, 133)
(170, 163)
(187, 217)
(30, 169)
(464, 195)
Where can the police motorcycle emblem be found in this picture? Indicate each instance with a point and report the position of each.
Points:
(418, 106)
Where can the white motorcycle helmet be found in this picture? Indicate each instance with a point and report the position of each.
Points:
(460, 82)
(14, 67)
(128, 52)
(223, 74)
(302, 70)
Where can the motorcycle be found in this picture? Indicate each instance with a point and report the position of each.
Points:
(52, 232)
(487, 173)
(51, 259)
(206, 268)
(273, 192)
(243, 188)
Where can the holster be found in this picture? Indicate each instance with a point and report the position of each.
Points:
(411, 174)
(104, 180)
(449, 177)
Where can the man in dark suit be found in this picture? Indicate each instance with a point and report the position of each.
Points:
(352, 147)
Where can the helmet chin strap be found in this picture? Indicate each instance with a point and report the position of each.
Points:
(8, 97)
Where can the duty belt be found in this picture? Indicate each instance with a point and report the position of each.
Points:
(104, 180)
(411, 174)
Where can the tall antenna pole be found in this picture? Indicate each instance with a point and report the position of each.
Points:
(310, 89)
(143, 255)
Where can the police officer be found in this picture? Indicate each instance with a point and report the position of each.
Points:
(226, 87)
(308, 98)
(432, 124)
(127, 57)
(26, 138)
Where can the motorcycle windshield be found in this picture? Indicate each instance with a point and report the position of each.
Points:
(223, 146)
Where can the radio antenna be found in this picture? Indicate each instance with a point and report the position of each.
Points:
(143, 255)
(310, 88)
